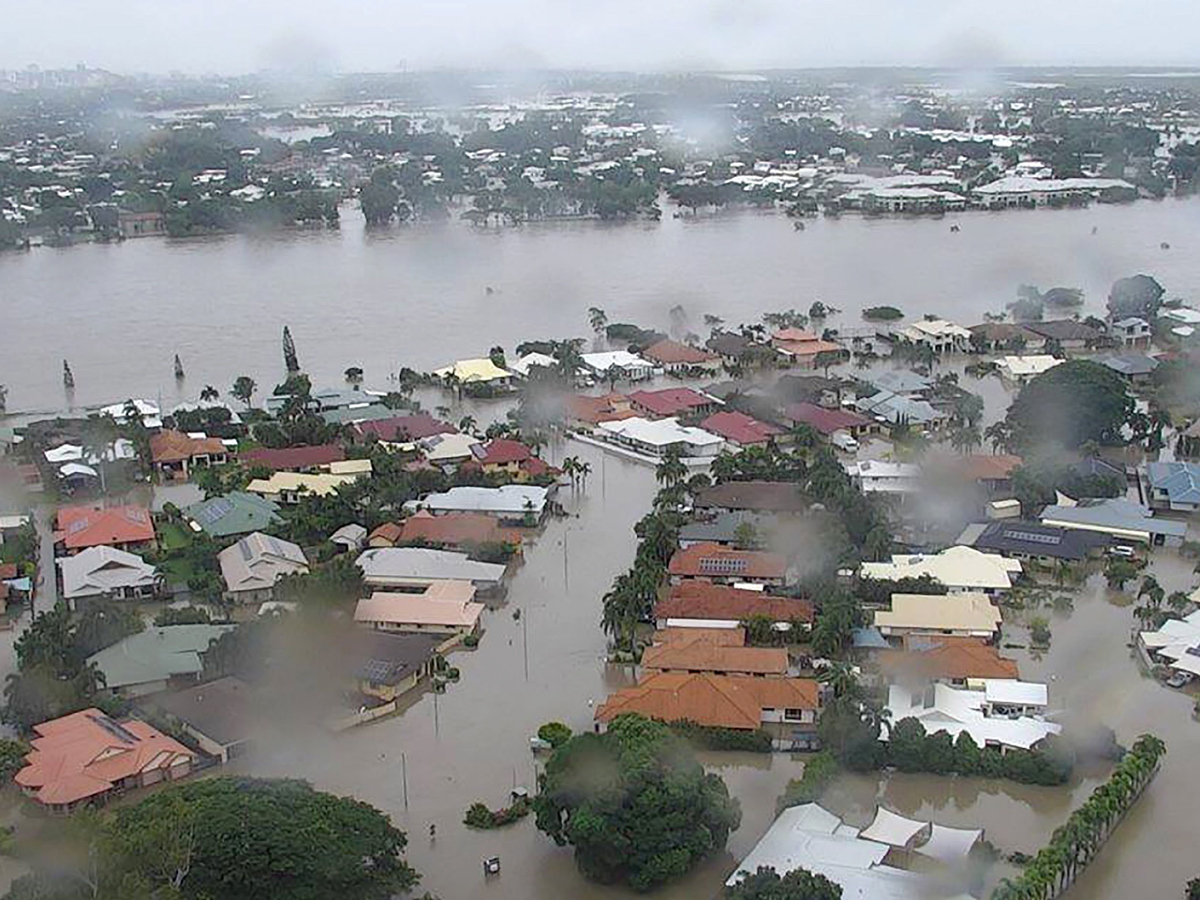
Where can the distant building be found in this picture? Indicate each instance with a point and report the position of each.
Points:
(672, 356)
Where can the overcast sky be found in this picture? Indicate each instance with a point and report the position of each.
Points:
(235, 36)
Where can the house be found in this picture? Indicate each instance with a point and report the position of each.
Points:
(447, 450)
(1134, 368)
(232, 514)
(1118, 518)
(903, 383)
(873, 476)
(804, 349)
(86, 756)
(106, 573)
(1020, 370)
(958, 568)
(863, 864)
(525, 366)
(218, 715)
(1071, 335)
(994, 337)
(741, 430)
(520, 504)
(753, 496)
(937, 334)
(295, 459)
(703, 604)
(289, 488)
(326, 399)
(512, 459)
(723, 528)
(132, 224)
(616, 364)
(828, 422)
(786, 708)
(1133, 333)
(815, 389)
(439, 606)
(980, 714)
(1028, 191)
(349, 538)
(738, 351)
(901, 412)
(403, 429)
(993, 472)
(124, 527)
(1176, 645)
(128, 410)
(389, 534)
(253, 565)
(476, 371)
(1173, 486)
(694, 650)
(1046, 544)
(961, 662)
(385, 666)
(963, 615)
(588, 411)
(672, 356)
(453, 531)
(724, 565)
(418, 566)
(156, 659)
(175, 453)
(677, 401)
(656, 437)
(357, 415)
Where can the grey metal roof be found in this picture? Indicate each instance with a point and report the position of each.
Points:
(721, 529)
(156, 654)
(1180, 480)
(422, 563)
(1036, 539)
(1115, 514)
(1131, 364)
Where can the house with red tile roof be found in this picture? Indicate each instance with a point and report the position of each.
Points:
(669, 402)
(724, 606)
(672, 356)
(590, 411)
(802, 347)
(295, 459)
(452, 531)
(679, 651)
(85, 756)
(740, 429)
(124, 527)
(786, 708)
(828, 421)
(403, 429)
(947, 659)
(503, 456)
(175, 453)
(724, 565)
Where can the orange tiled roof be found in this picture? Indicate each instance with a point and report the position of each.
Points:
(87, 753)
(706, 560)
(981, 467)
(724, 701)
(454, 529)
(175, 446)
(670, 352)
(87, 526)
(951, 658)
(701, 600)
(706, 656)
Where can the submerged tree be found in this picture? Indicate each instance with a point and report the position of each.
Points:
(290, 362)
(68, 377)
(243, 389)
(178, 368)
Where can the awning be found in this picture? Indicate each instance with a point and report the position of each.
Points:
(950, 845)
(893, 830)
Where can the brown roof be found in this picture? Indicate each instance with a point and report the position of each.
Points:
(294, 457)
(175, 446)
(388, 531)
(701, 600)
(672, 352)
(723, 701)
(707, 656)
(950, 658)
(708, 560)
(87, 526)
(455, 529)
(722, 637)
(981, 467)
(609, 408)
(774, 496)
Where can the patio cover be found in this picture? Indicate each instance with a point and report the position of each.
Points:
(893, 830)
(950, 845)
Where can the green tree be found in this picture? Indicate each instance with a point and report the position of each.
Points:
(1075, 402)
(671, 471)
(208, 394)
(597, 319)
(1138, 295)
(555, 734)
(243, 389)
(634, 803)
(290, 362)
(798, 884)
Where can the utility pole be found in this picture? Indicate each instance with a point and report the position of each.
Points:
(525, 641)
(404, 777)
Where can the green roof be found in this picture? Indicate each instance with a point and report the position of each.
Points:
(233, 514)
(156, 654)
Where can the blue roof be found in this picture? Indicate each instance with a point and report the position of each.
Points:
(1180, 480)
(868, 639)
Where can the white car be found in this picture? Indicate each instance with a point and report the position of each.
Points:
(1124, 551)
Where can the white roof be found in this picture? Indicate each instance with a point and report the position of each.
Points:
(442, 448)
(1176, 640)
(514, 499)
(101, 570)
(258, 560)
(77, 469)
(660, 432)
(1010, 691)
(955, 567)
(532, 360)
(945, 708)
(622, 359)
(415, 565)
(950, 845)
(966, 611)
(1023, 184)
(1184, 314)
(935, 328)
(892, 829)
(1028, 366)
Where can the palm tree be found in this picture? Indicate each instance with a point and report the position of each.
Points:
(598, 319)
(569, 466)
(467, 424)
(671, 471)
(1178, 601)
(965, 438)
(584, 468)
(999, 435)
(243, 389)
(209, 394)
(354, 375)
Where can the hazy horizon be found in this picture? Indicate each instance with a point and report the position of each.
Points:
(229, 38)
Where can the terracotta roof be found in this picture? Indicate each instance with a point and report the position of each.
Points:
(405, 429)
(501, 451)
(175, 446)
(672, 352)
(670, 401)
(808, 347)
(609, 408)
(826, 421)
(981, 467)
(707, 656)
(87, 753)
(294, 457)
(722, 637)
(453, 529)
(794, 334)
(772, 496)
(724, 701)
(701, 600)
(87, 526)
(951, 658)
(739, 428)
(716, 561)
(388, 531)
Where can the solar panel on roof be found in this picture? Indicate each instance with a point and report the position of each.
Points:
(379, 670)
(722, 565)
(120, 732)
(1034, 537)
(214, 510)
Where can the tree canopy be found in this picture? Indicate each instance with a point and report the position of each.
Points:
(798, 884)
(1138, 295)
(635, 804)
(1071, 404)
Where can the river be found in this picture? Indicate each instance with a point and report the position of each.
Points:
(417, 297)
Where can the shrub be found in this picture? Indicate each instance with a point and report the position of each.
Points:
(708, 737)
(819, 772)
(479, 816)
(471, 640)
(555, 734)
(882, 313)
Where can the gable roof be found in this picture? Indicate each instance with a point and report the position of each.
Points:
(405, 429)
(671, 401)
(175, 446)
(156, 654)
(1063, 330)
(87, 526)
(739, 428)
(453, 529)
(700, 655)
(469, 371)
(294, 457)
(234, 513)
(826, 421)
(950, 658)
(773, 496)
(717, 561)
(258, 560)
(724, 701)
(1180, 480)
(1036, 539)
(501, 451)
(701, 600)
(101, 570)
(956, 566)
(669, 352)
